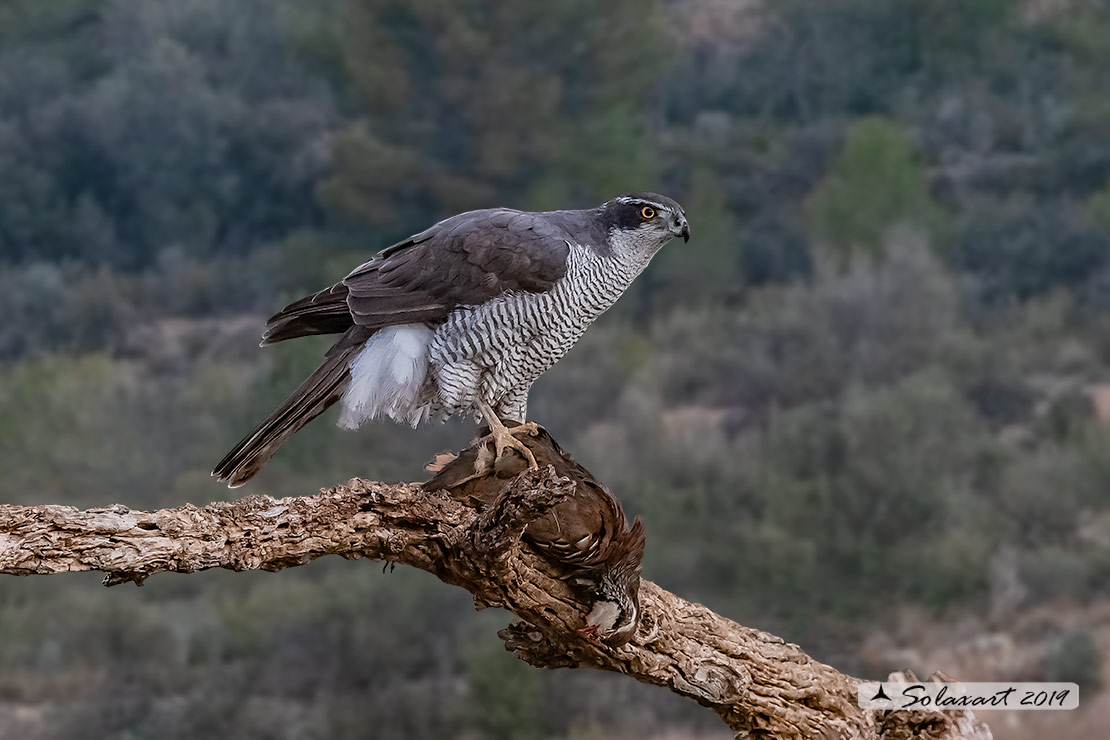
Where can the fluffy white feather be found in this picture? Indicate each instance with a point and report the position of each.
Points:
(387, 376)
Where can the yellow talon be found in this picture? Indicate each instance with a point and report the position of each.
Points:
(504, 438)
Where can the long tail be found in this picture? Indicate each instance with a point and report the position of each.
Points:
(313, 397)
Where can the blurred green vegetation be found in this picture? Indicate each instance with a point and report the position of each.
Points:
(873, 184)
(881, 362)
(1075, 657)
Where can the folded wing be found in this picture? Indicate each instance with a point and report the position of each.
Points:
(463, 261)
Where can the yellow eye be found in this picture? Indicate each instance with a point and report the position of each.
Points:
(647, 212)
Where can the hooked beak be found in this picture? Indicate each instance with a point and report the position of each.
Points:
(681, 228)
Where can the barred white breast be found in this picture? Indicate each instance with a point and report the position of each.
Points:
(494, 352)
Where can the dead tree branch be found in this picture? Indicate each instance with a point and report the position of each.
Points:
(760, 685)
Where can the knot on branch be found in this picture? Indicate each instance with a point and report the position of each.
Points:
(529, 644)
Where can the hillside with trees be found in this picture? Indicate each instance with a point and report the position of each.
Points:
(872, 390)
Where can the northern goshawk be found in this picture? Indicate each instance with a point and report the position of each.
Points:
(461, 319)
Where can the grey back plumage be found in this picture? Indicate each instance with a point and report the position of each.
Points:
(465, 260)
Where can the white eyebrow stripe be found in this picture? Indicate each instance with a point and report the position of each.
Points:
(630, 201)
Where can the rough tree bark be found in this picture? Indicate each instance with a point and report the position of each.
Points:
(760, 685)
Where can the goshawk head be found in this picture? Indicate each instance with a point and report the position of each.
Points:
(643, 222)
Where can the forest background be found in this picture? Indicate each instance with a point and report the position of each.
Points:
(867, 407)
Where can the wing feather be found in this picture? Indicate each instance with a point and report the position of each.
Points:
(463, 261)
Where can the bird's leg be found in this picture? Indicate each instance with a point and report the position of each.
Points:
(504, 438)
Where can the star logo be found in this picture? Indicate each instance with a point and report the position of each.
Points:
(880, 695)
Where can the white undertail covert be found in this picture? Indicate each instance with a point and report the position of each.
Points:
(387, 377)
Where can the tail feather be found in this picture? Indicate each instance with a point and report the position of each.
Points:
(325, 312)
(313, 397)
